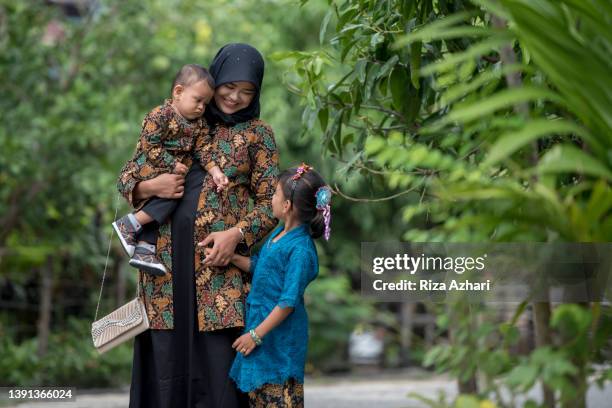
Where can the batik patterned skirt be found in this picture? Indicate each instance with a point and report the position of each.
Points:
(287, 395)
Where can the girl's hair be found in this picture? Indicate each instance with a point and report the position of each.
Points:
(190, 74)
(303, 197)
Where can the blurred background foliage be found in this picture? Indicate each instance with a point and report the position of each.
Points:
(478, 118)
(434, 120)
(78, 77)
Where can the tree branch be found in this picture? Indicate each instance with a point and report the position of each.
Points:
(369, 200)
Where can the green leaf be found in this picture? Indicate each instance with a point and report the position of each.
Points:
(535, 129)
(522, 377)
(571, 319)
(323, 118)
(448, 33)
(415, 63)
(467, 401)
(370, 81)
(434, 27)
(374, 145)
(317, 64)
(463, 88)
(344, 18)
(347, 48)
(360, 70)
(600, 202)
(376, 39)
(503, 99)
(474, 51)
(494, 7)
(569, 159)
(399, 86)
(324, 25)
(283, 55)
(384, 70)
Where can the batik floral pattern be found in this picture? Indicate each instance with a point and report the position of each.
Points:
(287, 395)
(247, 154)
(166, 138)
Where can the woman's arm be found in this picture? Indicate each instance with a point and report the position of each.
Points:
(134, 189)
(263, 154)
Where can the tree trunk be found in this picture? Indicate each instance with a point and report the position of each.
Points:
(580, 379)
(406, 315)
(469, 386)
(541, 310)
(45, 307)
(541, 316)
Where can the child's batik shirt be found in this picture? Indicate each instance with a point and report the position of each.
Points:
(167, 138)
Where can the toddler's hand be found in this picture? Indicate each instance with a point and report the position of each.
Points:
(180, 168)
(220, 179)
(244, 344)
(222, 182)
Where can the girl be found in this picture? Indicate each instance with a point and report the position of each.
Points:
(272, 352)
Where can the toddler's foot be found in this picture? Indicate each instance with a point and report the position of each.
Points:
(145, 259)
(126, 228)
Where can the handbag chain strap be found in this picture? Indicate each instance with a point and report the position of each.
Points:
(110, 240)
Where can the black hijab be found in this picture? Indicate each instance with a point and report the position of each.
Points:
(233, 63)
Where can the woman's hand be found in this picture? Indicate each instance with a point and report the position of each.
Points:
(244, 344)
(224, 245)
(164, 186)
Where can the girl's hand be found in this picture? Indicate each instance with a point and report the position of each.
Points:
(224, 246)
(244, 344)
(164, 186)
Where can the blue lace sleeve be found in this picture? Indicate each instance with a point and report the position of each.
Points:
(301, 270)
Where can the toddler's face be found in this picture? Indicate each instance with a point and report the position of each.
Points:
(280, 204)
(234, 96)
(191, 100)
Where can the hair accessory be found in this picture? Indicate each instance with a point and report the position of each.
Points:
(303, 168)
(323, 196)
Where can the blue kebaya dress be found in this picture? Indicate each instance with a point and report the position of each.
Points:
(281, 271)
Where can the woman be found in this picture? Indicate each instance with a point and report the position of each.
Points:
(197, 310)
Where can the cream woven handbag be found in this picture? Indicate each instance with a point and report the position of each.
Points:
(122, 324)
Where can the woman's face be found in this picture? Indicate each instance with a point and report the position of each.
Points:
(234, 96)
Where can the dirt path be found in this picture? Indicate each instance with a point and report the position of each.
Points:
(378, 390)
